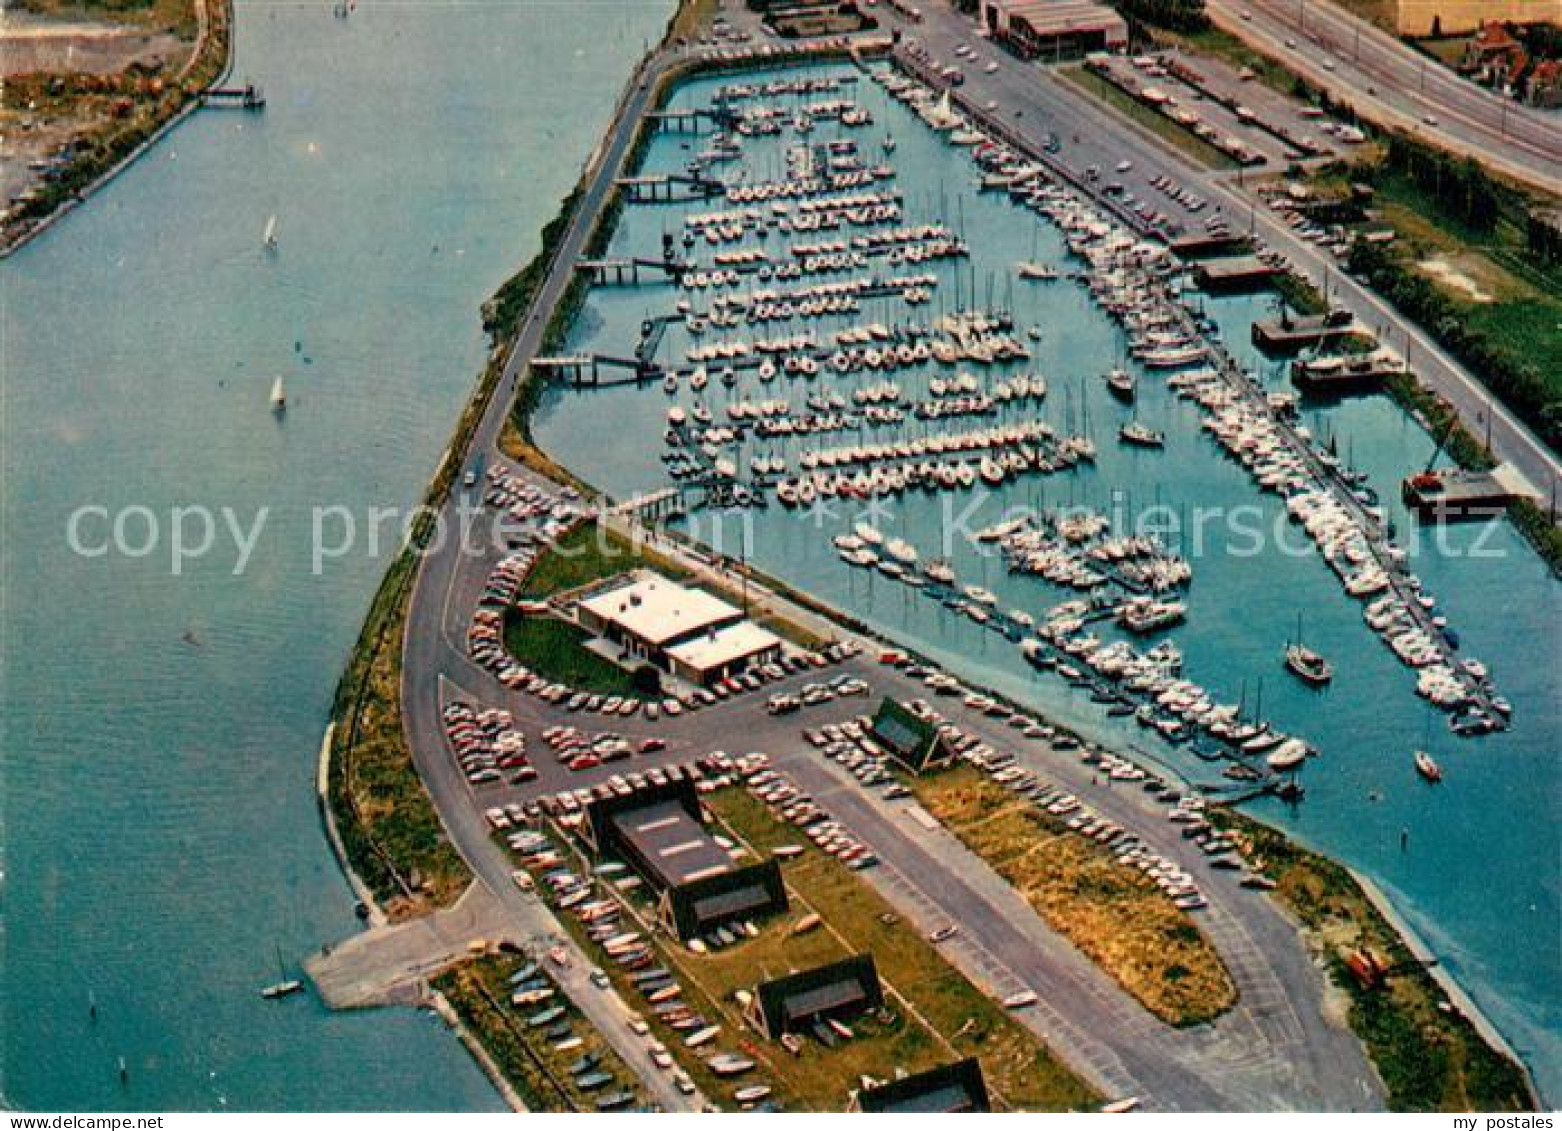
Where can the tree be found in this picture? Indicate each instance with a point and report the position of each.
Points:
(646, 680)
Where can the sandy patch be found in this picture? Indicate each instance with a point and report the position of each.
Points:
(32, 47)
(1450, 276)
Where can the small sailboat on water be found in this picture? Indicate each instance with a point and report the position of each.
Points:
(285, 986)
(1426, 765)
(278, 397)
(268, 238)
(1141, 435)
(1304, 663)
(1033, 268)
(1121, 384)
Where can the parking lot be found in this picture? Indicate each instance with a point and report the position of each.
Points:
(1251, 123)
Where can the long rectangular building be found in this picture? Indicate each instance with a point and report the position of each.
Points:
(1046, 27)
(659, 832)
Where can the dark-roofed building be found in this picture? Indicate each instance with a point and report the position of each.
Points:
(660, 832)
(837, 992)
(956, 1087)
(913, 742)
(1048, 27)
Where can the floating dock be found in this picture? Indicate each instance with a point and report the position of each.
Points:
(1342, 375)
(1234, 273)
(1457, 495)
(1202, 245)
(1293, 334)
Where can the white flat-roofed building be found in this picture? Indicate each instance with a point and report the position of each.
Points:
(722, 652)
(688, 632)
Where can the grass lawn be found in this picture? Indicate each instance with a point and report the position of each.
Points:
(1114, 914)
(590, 553)
(1449, 50)
(1159, 124)
(957, 1019)
(1430, 1057)
(387, 822)
(556, 650)
(1379, 12)
(480, 993)
(176, 17)
(1524, 317)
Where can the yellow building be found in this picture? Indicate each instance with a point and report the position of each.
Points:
(1415, 17)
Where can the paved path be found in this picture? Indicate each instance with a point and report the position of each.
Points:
(389, 964)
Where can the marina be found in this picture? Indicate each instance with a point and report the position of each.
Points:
(878, 403)
(1302, 447)
(1135, 282)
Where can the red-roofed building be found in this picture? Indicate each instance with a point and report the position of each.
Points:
(1543, 85)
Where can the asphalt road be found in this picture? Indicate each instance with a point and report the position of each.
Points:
(433, 651)
(1388, 81)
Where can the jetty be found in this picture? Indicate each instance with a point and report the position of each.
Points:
(669, 188)
(246, 97)
(1454, 495)
(1289, 334)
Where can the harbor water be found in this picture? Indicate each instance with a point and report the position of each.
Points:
(161, 844)
(1473, 864)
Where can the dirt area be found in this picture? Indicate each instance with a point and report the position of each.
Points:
(1455, 279)
(1113, 914)
(30, 44)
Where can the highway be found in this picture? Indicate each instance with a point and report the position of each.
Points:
(1389, 82)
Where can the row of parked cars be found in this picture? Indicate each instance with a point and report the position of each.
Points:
(787, 801)
(571, 699)
(545, 515)
(592, 900)
(1075, 815)
(851, 745)
(505, 579)
(580, 750)
(815, 694)
(487, 744)
(1179, 192)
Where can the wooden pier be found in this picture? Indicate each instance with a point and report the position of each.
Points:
(669, 188)
(1290, 334)
(694, 120)
(246, 97)
(595, 370)
(627, 272)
